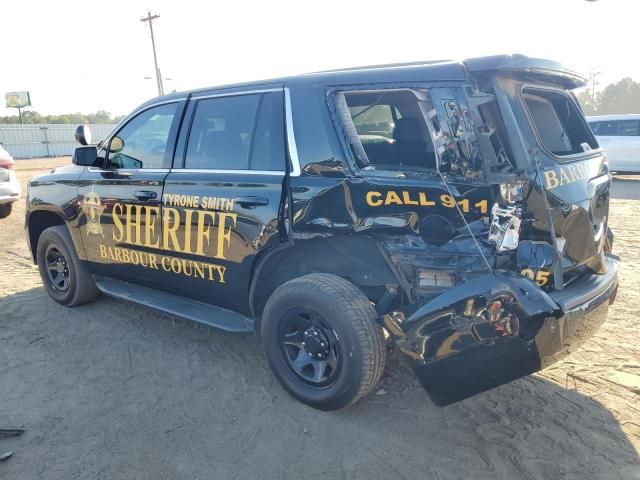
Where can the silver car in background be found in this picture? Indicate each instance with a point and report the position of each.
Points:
(9, 185)
(619, 135)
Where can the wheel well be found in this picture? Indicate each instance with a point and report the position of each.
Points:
(38, 222)
(354, 258)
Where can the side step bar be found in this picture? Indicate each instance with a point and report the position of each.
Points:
(179, 306)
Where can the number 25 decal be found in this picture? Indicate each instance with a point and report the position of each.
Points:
(541, 277)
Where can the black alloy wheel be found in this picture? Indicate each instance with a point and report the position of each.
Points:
(57, 268)
(310, 347)
(321, 340)
(66, 278)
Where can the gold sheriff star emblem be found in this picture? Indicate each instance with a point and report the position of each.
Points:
(93, 208)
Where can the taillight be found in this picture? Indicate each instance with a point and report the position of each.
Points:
(6, 164)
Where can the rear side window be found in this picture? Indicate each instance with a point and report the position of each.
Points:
(267, 150)
(616, 128)
(607, 128)
(630, 128)
(243, 132)
(375, 122)
(558, 121)
(390, 127)
(221, 132)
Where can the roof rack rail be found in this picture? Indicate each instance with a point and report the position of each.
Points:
(381, 65)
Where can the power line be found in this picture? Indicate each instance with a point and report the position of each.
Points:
(150, 18)
(593, 78)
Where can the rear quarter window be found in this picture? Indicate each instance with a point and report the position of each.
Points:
(616, 128)
(558, 122)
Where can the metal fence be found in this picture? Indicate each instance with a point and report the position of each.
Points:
(44, 140)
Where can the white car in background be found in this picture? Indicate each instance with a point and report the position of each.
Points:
(9, 185)
(619, 135)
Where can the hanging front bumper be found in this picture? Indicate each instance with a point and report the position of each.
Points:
(497, 328)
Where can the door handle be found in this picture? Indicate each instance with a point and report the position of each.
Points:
(251, 201)
(112, 173)
(145, 194)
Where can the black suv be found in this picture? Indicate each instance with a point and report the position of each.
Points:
(456, 210)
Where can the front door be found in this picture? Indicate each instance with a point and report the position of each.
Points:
(120, 213)
(221, 205)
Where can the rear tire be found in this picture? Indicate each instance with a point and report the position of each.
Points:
(66, 279)
(5, 210)
(322, 342)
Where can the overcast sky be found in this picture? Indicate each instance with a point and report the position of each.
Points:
(83, 56)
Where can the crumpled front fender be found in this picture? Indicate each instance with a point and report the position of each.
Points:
(475, 336)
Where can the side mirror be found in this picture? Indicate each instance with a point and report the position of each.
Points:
(83, 135)
(86, 156)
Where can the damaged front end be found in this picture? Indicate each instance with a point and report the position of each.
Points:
(475, 336)
(494, 329)
(489, 200)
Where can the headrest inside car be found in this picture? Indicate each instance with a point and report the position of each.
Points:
(407, 130)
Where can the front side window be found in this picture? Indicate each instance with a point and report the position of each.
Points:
(558, 122)
(142, 142)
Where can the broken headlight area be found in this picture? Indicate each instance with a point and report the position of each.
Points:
(512, 192)
(501, 315)
(431, 268)
(506, 217)
(504, 231)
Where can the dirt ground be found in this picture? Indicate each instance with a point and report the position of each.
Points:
(112, 390)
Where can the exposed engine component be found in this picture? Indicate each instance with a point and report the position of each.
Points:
(427, 277)
(505, 322)
(504, 231)
(512, 192)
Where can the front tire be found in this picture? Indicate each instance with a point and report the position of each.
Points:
(66, 279)
(5, 210)
(322, 342)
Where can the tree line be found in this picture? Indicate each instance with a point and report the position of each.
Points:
(620, 97)
(31, 117)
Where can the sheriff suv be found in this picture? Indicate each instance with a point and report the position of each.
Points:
(456, 210)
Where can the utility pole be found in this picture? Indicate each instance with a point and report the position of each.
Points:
(150, 18)
(593, 77)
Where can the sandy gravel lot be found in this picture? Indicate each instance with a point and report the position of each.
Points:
(111, 390)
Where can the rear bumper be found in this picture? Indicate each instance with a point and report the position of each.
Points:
(457, 353)
(9, 198)
(9, 192)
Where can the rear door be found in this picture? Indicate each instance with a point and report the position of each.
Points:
(120, 217)
(573, 199)
(221, 202)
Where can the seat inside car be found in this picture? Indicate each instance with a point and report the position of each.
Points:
(409, 146)
(219, 150)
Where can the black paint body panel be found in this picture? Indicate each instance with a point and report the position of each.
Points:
(328, 213)
(456, 356)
